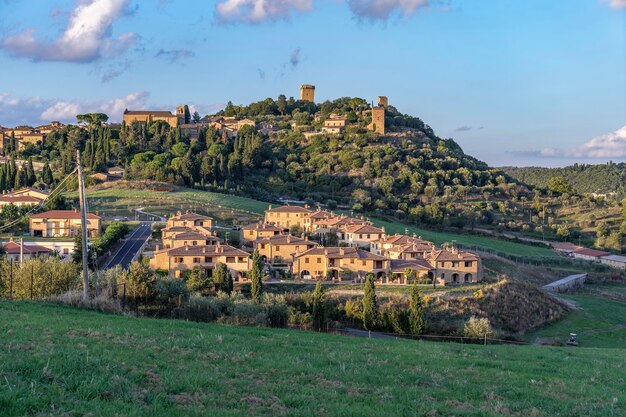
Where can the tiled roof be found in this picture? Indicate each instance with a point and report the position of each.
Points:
(591, 252)
(399, 265)
(261, 226)
(190, 235)
(206, 250)
(285, 240)
(19, 199)
(336, 252)
(615, 258)
(62, 214)
(363, 228)
(289, 209)
(447, 255)
(14, 248)
(158, 113)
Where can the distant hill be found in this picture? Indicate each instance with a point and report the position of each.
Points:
(600, 179)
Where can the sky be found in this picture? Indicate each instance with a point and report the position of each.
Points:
(514, 82)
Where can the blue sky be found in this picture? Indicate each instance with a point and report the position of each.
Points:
(532, 82)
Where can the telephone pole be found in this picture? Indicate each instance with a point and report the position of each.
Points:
(83, 223)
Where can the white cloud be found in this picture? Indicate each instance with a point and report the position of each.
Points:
(382, 9)
(611, 145)
(86, 38)
(256, 11)
(616, 4)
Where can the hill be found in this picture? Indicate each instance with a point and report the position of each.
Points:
(81, 362)
(584, 178)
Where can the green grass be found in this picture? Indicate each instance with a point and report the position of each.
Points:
(187, 196)
(61, 361)
(598, 321)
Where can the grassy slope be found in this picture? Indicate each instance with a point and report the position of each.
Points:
(255, 206)
(599, 321)
(60, 361)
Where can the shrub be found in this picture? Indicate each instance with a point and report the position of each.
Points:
(50, 277)
(102, 303)
(276, 310)
(477, 327)
(203, 309)
(168, 289)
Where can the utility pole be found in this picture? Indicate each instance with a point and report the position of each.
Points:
(83, 222)
(21, 251)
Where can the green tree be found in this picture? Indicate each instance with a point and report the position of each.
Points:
(319, 307)
(560, 186)
(223, 279)
(416, 318)
(46, 174)
(195, 117)
(92, 119)
(256, 276)
(31, 178)
(370, 303)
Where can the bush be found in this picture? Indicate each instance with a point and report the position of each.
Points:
(203, 309)
(246, 313)
(102, 303)
(168, 289)
(111, 235)
(50, 277)
(477, 327)
(276, 310)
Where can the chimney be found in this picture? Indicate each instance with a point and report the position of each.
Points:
(270, 207)
(186, 248)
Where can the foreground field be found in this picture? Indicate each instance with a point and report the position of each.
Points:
(60, 361)
(121, 201)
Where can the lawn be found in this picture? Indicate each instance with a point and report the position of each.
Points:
(168, 202)
(598, 321)
(61, 361)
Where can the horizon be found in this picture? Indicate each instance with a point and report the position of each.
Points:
(550, 93)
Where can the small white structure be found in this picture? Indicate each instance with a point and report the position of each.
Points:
(589, 254)
(571, 282)
(614, 261)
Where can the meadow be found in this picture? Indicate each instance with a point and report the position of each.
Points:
(58, 360)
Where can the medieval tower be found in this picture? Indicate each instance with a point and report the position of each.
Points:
(307, 93)
(383, 101)
(378, 120)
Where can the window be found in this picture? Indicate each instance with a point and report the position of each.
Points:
(208, 259)
(306, 260)
(178, 260)
(352, 261)
(196, 260)
(468, 264)
(455, 264)
(443, 276)
(66, 251)
(364, 263)
(241, 259)
(442, 264)
(262, 245)
(230, 259)
(194, 243)
(319, 260)
(368, 236)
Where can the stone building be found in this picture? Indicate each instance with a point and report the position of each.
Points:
(378, 120)
(307, 93)
(452, 266)
(383, 102)
(177, 261)
(149, 116)
(63, 223)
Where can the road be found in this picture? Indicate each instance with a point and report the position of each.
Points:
(131, 246)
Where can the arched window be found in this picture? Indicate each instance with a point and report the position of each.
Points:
(468, 277)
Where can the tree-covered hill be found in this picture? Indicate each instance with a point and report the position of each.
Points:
(600, 179)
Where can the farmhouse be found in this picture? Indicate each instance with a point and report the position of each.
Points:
(589, 254)
(178, 261)
(287, 217)
(63, 223)
(281, 248)
(452, 266)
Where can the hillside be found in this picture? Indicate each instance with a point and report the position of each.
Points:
(81, 362)
(585, 178)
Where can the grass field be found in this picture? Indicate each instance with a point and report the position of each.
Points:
(598, 320)
(61, 361)
(118, 200)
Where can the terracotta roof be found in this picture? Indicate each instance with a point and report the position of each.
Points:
(412, 248)
(363, 228)
(335, 252)
(591, 252)
(190, 235)
(13, 248)
(285, 240)
(62, 214)
(20, 199)
(190, 216)
(447, 255)
(399, 265)
(398, 239)
(159, 113)
(565, 246)
(320, 214)
(261, 226)
(27, 189)
(289, 209)
(206, 250)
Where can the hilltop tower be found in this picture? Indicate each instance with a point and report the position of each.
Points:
(182, 113)
(307, 93)
(378, 120)
(383, 101)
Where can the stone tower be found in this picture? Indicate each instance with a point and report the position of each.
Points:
(181, 114)
(378, 120)
(383, 101)
(307, 93)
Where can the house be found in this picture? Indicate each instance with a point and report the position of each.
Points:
(31, 192)
(189, 219)
(589, 254)
(63, 223)
(150, 116)
(382, 245)
(16, 251)
(99, 176)
(188, 237)
(409, 251)
(177, 261)
(339, 263)
(281, 248)
(334, 125)
(287, 217)
(614, 261)
(312, 220)
(18, 200)
(565, 248)
(452, 266)
(116, 171)
(254, 231)
(360, 234)
(399, 267)
(333, 224)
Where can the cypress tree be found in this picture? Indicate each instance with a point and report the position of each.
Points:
(20, 179)
(319, 308)
(370, 304)
(46, 174)
(416, 318)
(31, 178)
(256, 276)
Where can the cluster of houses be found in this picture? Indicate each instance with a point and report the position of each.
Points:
(357, 248)
(592, 255)
(20, 137)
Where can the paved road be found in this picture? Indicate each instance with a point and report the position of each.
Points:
(131, 246)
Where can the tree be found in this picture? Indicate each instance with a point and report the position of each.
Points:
(46, 174)
(477, 327)
(256, 276)
(197, 280)
(319, 308)
(223, 279)
(370, 304)
(196, 117)
(56, 202)
(560, 186)
(31, 178)
(92, 119)
(416, 318)
(77, 256)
